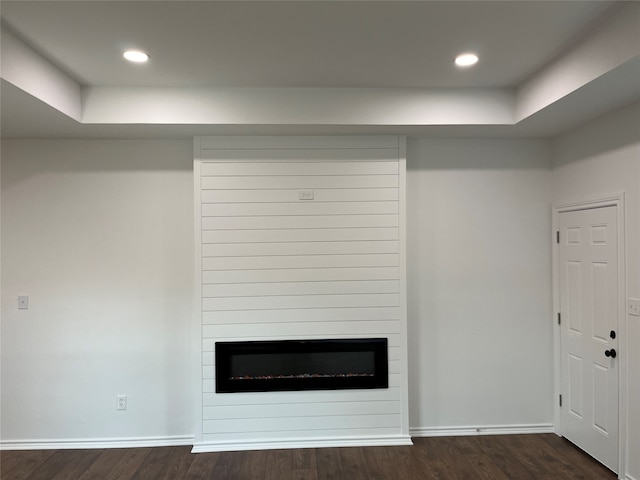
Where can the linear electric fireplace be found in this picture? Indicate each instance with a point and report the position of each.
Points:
(301, 365)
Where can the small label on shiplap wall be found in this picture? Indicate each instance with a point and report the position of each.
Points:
(305, 195)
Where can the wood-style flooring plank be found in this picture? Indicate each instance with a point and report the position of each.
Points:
(278, 465)
(202, 466)
(377, 467)
(574, 454)
(554, 462)
(353, 463)
(484, 467)
(155, 463)
(329, 464)
(228, 466)
(303, 464)
(512, 457)
(402, 461)
(430, 465)
(129, 463)
(103, 465)
(496, 448)
(19, 464)
(178, 464)
(527, 456)
(254, 465)
(456, 465)
(65, 465)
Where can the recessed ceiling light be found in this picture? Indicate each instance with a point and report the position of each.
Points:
(466, 59)
(135, 56)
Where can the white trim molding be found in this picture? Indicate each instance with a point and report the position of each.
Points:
(461, 431)
(86, 443)
(276, 444)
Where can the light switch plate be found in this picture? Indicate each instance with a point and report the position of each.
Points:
(634, 307)
(23, 302)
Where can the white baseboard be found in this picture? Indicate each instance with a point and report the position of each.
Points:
(480, 430)
(629, 477)
(135, 442)
(374, 441)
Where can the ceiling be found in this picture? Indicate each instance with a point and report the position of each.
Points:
(272, 44)
(299, 44)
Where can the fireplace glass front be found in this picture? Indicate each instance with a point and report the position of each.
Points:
(332, 364)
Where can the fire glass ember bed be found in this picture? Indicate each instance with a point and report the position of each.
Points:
(301, 365)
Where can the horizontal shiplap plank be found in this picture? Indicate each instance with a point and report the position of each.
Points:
(299, 262)
(302, 315)
(395, 366)
(297, 397)
(281, 164)
(300, 288)
(292, 410)
(291, 195)
(299, 235)
(284, 435)
(293, 332)
(301, 208)
(300, 275)
(300, 301)
(298, 248)
(208, 342)
(299, 182)
(303, 423)
(209, 145)
(208, 359)
(394, 378)
(298, 221)
(379, 329)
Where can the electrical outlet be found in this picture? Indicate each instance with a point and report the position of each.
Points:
(121, 402)
(634, 307)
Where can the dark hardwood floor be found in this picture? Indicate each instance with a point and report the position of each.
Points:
(500, 457)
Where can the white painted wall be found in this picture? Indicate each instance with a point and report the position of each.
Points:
(600, 158)
(298, 106)
(614, 41)
(479, 296)
(99, 235)
(27, 70)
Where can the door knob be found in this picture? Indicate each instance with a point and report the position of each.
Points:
(610, 353)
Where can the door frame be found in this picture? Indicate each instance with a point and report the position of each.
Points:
(617, 200)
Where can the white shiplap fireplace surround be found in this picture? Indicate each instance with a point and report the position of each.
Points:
(300, 238)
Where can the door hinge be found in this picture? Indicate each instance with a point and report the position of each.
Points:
(559, 319)
(560, 400)
(558, 236)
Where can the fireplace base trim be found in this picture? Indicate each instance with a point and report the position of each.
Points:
(325, 442)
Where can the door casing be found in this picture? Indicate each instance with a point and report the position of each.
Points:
(617, 200)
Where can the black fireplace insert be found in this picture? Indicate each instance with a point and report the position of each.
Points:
(334, 364)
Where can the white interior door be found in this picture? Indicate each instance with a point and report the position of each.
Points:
(588, 260)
